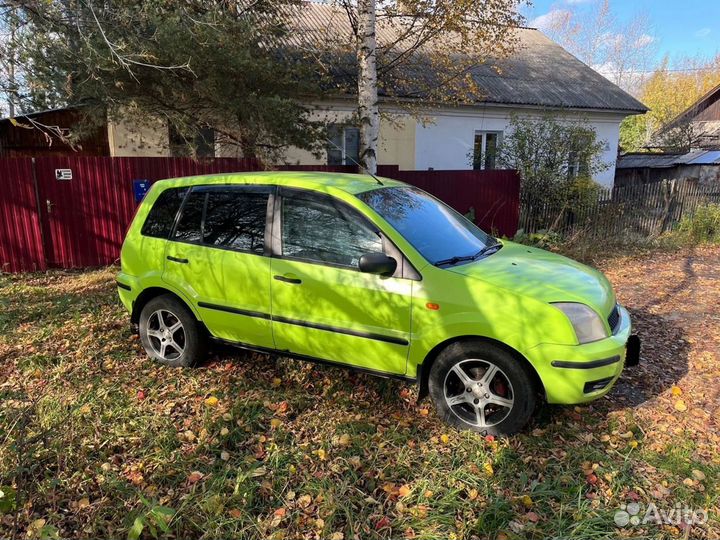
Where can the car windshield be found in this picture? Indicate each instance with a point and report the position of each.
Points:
(437, 231)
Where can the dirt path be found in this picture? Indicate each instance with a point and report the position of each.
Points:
(675, 303)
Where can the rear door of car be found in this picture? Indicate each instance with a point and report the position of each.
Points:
(323, 306)
(218, 255)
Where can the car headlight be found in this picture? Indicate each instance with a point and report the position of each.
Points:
(587, 323)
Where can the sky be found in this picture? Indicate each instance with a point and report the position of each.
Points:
(686, 28)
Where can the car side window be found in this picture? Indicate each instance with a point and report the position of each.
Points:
(321, 229)
(160, 219)
(189, 226)
(236, 219)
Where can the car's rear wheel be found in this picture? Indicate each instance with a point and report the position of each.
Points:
(170, 333)
(478, 386)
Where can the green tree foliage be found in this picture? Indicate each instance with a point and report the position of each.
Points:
(668, 92)
(556, 159)
(191, 65)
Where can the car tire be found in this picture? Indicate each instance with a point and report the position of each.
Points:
(481, 387)
(170, 333)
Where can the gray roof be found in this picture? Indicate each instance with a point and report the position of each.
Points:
(539, 73)
(666, 161)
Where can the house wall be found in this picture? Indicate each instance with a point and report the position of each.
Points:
(129, 137)
(446, 139)
(443, 139)
(396, 145)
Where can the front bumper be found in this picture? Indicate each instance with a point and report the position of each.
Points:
(580, 373)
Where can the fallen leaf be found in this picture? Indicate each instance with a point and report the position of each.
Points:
(488, 469)
(444, 438)
(344, 439)
(526, 500)
(225, 456)
(275, 423)
(532, 516)
(676, 391)
(212, 401)
(195, 476)
(680, 405)
(697, 474)
(83, 503)
(404, 490)
(276, 382)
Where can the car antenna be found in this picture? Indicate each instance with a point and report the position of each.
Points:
(356, 163)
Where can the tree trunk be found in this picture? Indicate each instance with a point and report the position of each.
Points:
(368, 112)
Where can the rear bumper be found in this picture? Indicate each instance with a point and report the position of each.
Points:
(128, 289)
(580, 373)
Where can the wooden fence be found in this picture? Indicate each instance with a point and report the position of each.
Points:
(640, 210)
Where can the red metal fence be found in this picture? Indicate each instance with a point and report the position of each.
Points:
(49, 222)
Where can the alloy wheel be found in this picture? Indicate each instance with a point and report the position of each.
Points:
(166, 334)
(478, 392)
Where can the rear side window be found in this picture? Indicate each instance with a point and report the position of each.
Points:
(236, 219)
(189, 225)
(161, 217)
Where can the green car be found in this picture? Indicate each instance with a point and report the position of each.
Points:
(376, 275)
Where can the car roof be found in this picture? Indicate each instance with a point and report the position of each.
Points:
(314, 180)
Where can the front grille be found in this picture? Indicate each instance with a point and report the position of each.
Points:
(614, 318)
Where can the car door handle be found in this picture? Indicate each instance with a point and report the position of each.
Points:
(289, 278)
(177, 259)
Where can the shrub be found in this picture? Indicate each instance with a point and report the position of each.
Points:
(703, 226)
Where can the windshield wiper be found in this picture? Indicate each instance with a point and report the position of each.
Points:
(462, 258)
(454, 260)
(487, 249)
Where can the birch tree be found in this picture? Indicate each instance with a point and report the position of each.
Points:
(368, 111)
(428, 51)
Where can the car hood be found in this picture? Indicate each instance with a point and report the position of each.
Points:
(542, 275)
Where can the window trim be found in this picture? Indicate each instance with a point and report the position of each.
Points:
(342, 147)
(405, 269)
(207, 188)
(483, 147)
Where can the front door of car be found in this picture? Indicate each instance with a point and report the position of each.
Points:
(323, 306)
(217, 256)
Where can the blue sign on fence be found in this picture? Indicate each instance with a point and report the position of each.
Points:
(140, 188)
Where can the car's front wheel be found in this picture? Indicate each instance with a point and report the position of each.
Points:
(170, 333)
(478, 386)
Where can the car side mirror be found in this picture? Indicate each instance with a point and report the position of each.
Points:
(377, 263)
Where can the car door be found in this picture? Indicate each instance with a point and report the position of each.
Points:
(217, 255)
(323, 306)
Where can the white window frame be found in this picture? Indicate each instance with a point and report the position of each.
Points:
(483, 144)
(342, 146)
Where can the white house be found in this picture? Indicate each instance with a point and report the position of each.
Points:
(541, 76)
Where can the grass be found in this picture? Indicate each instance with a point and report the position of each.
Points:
(97, 441)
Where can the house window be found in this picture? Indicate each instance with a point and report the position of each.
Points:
(201, 144)
(343, 147)
(485, 149)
